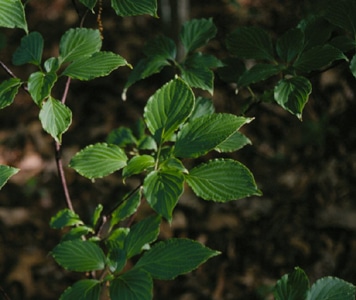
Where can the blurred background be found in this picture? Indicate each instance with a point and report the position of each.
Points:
(306, 170)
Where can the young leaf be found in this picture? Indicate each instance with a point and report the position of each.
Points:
(40, 85)
(292, 94)
(203, 106)
(203, 134)
(65, 217)
(138, 164)
(96, 214)
(55, 118)
(292, 286)
(290, 44)
(8, 91)
(99, 160)
(342, 13)
(258, 73)
(79, 256)
(78, 43)
(12, 14)
(166, 260)
(85, 289)
(250, 42)
(135, 284)
(161, 46)
(222, 180)
(126, 209)
(121, 137)
(233, 143)
(201, 78)
(142, 233)
(126, 8)
(162, 190)
(331, 288)
(89, 3)
(168, 108)
(98, 65)
(30, 50)
(5, 173)
(197, 33)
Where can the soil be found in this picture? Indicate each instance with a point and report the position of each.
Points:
(306, 170)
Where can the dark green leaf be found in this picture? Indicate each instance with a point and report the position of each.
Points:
(126, 8)
(290, 44)
(199, 77)
(85, 289)
(233, 143)
(99, 160)
(161, 46)
(173, 164)
(162, 190)
(127, 208)
(197, 33)
(65, 217)
(233, 69)
(30, 50)
(116, 259)
(203, 106)
(250, 42)
(343, 43)
(222, 180)
(199, 59)
(292, 286)
(8, 91)
(89, 3)
(138, 164)
(40, 86)
(343, 14)
(117, 238)
(79, 256)
(12, 14)
(121, 137)
(258, 73)
(166, 260)
(5, 173)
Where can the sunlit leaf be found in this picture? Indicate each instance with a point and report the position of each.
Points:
(76, 233)
(12, 14)
(30, 50)
(8, 90)
(85, 289)
(5, 173)
(65, 217)
(40, 85)
(126, 8)
(96, 214)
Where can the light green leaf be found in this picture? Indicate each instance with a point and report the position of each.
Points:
(292, 286)
(96, 214)
(142, 233)
(352, 66)
(133, 285)
(126, 8)
(52, 65)
(78, 43)
(166, 260)
(89, 3)
(55, 118)
(5, 173)
(222, 180)
(317, 58)
(65, 217)
(79, 256)
(290, 44)
(99, 160)
(342, 13)
(161, 46)
(137, 165)
(292, 94)
(173, 164)
(168, 108)
(127, 208)
(40, 86)
(203, 134)
(258, 73)
(197, 33)
(85, 289)
(8, 90)
(98, 65)
(30, 50)
(233, 143)
(331, 288)
(250, 42)
(203, 106)
(12, 14)
(162, 190)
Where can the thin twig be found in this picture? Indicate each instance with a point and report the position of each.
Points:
(8, 71)
(66, 89)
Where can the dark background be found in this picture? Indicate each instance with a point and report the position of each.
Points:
(306, 170)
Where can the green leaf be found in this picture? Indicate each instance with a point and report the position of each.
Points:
(89, 3)
(343, 43)
(203, 106)
(342, 13)
(8, 90)
(96, 214)
(76, 233)
(52, 65)
(173, 164)
(292, 286)
(259, 73)
(161, 46)
(30, 50)
(290, 44)
(133, 285)
(12, 14)
(117, 238)
(79, 256)
(121, 137)
(98, 65)
(202, 78)
(317, 58)
(233, 69)
(197, 33)
(168, 108)
(352, 66)
(127, 208)
(292, 94)
(222, 180)
(166, 260)
(85, 289)
(40, 86)
(65, 217)
(233, 143)
(126, 8)
(55, 118)
(78, 43)
(331, 288)
(116, 258)
(203, 134)
(147, 143)
(137, 165)
(5, 173)
(250, 42)
(142, 233)
(99, 160)
(199, 59)
(162, 190)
